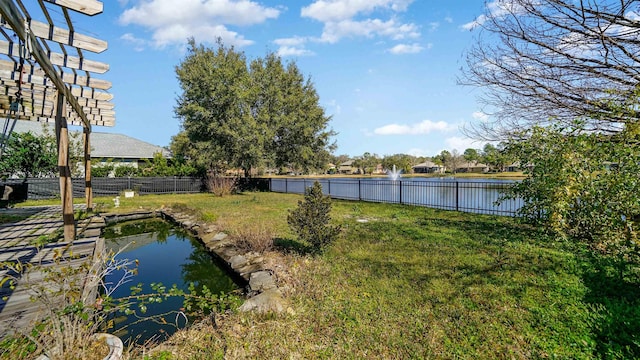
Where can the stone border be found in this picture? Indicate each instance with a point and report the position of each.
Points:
(262, 292)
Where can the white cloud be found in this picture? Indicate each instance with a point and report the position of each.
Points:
(475, 23)
(497, 9)
(292, 41)
(294, 51)
(138, 44)
(448, 19)
(479, 115)
(294, 46)
(336, 10)
(406, 49)
(354, 18)
(462, 143)
(424, 127)
(334, 31)
(205, 20)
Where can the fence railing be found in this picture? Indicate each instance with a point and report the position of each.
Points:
(47, 188)
(468, 196)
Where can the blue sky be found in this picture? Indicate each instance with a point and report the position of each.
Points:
(385, 70)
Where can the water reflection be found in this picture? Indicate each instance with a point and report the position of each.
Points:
(168, 256)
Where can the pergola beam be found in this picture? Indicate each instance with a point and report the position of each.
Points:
(87, 7)
(62, 36)
(12, 15)
(54, 85)
(10, 48)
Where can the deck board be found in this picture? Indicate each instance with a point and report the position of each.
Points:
(19, 306)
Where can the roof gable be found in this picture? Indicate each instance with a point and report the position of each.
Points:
(104, 145)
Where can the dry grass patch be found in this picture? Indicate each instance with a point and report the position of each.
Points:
(256, 237)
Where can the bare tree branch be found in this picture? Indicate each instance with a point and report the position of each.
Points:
(549, 61)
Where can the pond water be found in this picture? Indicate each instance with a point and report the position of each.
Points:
(165, 255)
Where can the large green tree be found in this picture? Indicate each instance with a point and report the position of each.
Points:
(402, 162)
(242, 115)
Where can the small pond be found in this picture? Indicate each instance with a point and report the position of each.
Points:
(166, 255)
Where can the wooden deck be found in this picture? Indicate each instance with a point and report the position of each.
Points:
(22, 305)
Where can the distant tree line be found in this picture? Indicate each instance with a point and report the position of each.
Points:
(495, 157)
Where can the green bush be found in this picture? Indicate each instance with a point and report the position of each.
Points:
(584, 186)
(102, 170)
(310, 220)
(125, 170)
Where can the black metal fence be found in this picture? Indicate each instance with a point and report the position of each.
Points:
(47, 188)
(468, 196)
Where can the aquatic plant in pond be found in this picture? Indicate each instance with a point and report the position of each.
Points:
(169, 262)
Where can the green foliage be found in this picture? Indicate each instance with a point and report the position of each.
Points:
(496, 156)
(403, 162)
(157, 166)
(102, 169)
(584, 186)
(125, 171)
(367, 162)
(471, 155)
(28, 155)
(310, 220)
(243, 115)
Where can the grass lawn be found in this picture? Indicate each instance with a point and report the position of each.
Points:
(412, 282)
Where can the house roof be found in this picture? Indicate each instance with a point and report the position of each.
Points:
(427, 164)
(472, 164)
(104, 145)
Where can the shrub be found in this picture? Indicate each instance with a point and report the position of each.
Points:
(310, 220)
(255, 237)
(584, 186)
(125, 170)
(102, 170)
(221, 186)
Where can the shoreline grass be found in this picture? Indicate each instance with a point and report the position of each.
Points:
(412, 282)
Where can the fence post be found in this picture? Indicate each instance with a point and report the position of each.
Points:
(359, 190)
(175, 184)
(286, 185)
(400, 192)
(329, 187)
(457, 197)
(128, 182)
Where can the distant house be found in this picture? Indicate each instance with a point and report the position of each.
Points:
(514, 167)
(472, 167)
(428, 167)
(346, 168)
(119, 149)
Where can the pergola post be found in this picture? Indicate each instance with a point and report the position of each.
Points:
(88, 189)
(66, 187)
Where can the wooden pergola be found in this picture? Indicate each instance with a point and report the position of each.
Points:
(45, 76)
